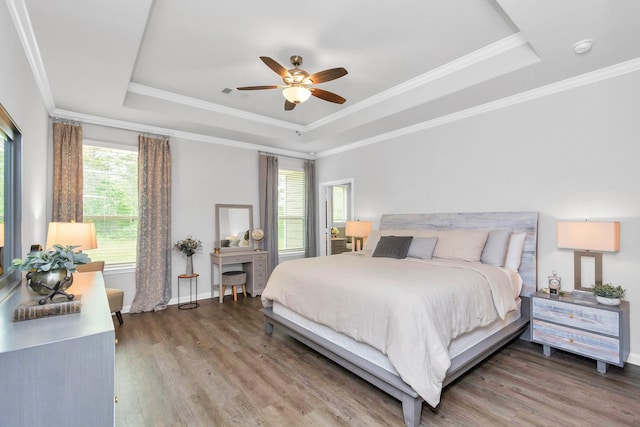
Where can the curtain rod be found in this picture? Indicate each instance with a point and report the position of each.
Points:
(154, 135)
(66, 121)
(284, 155)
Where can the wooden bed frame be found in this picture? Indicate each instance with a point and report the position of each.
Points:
(393, 384)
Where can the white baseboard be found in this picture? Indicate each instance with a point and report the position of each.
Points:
(634, 359)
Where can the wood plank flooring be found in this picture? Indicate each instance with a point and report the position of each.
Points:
(214, 366)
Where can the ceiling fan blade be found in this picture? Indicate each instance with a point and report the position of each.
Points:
(326, 95)
(288, 106)
(258, 87)
(275, 66)
(327, 75)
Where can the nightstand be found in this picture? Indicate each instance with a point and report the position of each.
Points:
(338, 245)
(578, 324)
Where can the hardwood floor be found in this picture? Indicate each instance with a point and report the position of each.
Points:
(214, 366)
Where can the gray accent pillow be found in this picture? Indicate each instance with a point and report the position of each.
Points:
(495, 250)
(422, 247)
(393, 247)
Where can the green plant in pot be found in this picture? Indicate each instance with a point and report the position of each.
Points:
(50, 272)
(608, 294)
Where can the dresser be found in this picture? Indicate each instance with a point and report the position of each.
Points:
(254, 263)
(59, 370)
(578, 324)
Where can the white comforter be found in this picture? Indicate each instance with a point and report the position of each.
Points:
(408, 309)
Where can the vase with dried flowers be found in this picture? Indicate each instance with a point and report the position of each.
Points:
(188, 246)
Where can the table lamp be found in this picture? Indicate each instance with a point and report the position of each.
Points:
(358, 230)
(81, 234)
(588, 239)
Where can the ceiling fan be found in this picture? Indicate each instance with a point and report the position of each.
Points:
(297, 82)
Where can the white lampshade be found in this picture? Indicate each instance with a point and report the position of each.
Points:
(589, 235)
(358, 228)
(296, 94)
(82, 234)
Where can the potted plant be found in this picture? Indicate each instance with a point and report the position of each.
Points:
(188, 246)
(50, 272)
(608, 294)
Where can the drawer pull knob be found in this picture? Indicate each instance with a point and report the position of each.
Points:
(570, 315)
(571, 340)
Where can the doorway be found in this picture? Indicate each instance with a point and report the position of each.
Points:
(336, 208)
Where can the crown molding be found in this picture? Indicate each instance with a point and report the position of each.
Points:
(20, 18)
(478, 56)
(543, 91)
(137, 127)
(141, 89)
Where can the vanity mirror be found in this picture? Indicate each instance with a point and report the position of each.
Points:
(234, 224)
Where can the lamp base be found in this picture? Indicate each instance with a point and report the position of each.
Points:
(577, 269)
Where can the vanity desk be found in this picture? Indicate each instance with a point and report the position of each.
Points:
(254, 263)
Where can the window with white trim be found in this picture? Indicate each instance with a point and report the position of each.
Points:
(111, 201)
(291, 211)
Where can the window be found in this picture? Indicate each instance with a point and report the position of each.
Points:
(340, 203)
(291, 211)
(10, 195)
(111, 201)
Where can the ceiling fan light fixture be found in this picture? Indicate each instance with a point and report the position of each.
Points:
(296, 94)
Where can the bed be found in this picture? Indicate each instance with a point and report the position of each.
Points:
(386, 314)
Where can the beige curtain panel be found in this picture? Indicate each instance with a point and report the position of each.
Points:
(153, 264)
(67, 172)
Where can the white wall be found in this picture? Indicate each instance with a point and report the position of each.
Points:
(20, 96)
(572, 155)
(203, 175)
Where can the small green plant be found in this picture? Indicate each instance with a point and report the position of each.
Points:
(56, 258)
(607, 290)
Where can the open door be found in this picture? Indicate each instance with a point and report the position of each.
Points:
(336, 208)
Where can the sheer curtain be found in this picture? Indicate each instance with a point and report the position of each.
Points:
(153, 265)
(268, 176)
(67, 172)
(310, 208)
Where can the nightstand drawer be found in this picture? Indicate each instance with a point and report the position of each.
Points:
(580, 342)
(577, 316)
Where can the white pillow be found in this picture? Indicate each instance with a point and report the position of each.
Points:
(514, 253)
(495, 250)
(463, 245)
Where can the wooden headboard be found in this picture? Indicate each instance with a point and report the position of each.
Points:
(518, 222)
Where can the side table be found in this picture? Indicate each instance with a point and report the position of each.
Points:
(191, 304)
(578, 324)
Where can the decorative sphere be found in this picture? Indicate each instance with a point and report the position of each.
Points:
(43, 282)
(257, 234)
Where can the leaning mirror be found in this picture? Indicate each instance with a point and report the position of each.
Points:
(234, 224)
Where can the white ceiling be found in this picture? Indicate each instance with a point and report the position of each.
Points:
(161, 66)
